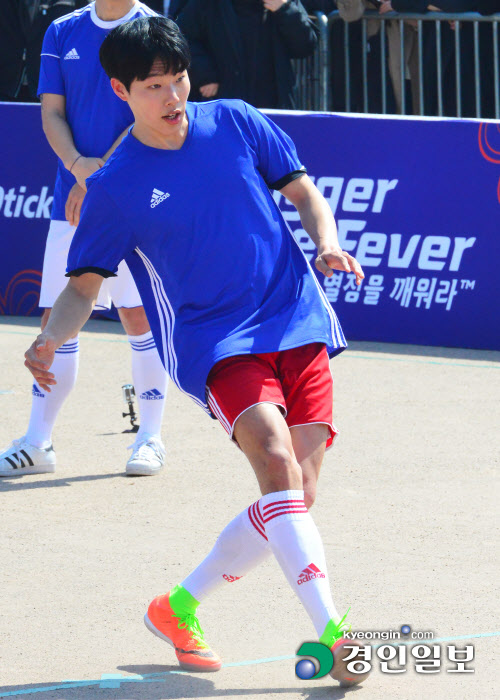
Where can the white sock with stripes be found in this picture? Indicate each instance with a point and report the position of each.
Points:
(240, 547)
(297, 546)
(45, 406)
(150, 383)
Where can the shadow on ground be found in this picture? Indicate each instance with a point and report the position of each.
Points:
(163, 683)
(20, 483)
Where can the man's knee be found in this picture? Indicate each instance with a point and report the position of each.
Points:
(281, 468)
(134, 320)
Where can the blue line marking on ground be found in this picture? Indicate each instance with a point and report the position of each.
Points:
(113, 680)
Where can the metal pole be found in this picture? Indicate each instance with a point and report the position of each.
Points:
(494, 28)
(323, 60)
(439, 69)
(383, 66)
(458, 72)
(420, 67)
(364, 48)
(476, 69)
(347, 60)
(402, 67)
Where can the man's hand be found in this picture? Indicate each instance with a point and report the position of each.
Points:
(38, 359)
(274, 5)
(385, 7)
(84, 168)
(74, 204)
(338, 259)
(209, 90)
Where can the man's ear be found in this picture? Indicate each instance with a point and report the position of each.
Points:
(119, 89)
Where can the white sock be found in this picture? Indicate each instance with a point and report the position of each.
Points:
(150, 383)
(45, 406)
(240, 547)
(297, 546)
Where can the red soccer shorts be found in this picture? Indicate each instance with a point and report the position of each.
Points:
(298, 380)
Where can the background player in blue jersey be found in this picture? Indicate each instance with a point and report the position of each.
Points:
(239, 317)
(82, 118)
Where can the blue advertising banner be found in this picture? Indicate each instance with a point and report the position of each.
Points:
(27, 173)
(417, 202)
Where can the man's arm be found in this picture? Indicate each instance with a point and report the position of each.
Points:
(116, 143)
(71, 310)
(317, 219)
(60, 138)
(76, 194)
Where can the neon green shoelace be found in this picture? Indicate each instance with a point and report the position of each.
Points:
(191, 622)
(333, 631)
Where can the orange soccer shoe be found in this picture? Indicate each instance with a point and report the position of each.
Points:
(341, 648)
(184, 633)
(340, 672)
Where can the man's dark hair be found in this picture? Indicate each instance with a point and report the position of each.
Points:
(129, 50)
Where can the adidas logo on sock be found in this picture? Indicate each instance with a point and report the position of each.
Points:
(230, 579)
(37, 392)
(158, 197)
(151, 395)
(309, 573)
(71, 54)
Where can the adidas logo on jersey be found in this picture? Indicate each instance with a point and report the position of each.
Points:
(37, 392)
(309, 573)
(152, 395)
(71, 54)
(158, 197)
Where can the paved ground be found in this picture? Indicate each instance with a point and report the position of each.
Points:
(407, 513)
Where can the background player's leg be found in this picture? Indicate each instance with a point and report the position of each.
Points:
(33, 453)
(148, 374)
(45, 405)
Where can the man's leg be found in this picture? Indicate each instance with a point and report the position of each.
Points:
(280, 517)
(243, 543)
(45, 406)
(148, 375)
(265, 438)
(33, 453)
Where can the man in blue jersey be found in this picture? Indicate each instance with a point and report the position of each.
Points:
(238, 315)
(82, 117)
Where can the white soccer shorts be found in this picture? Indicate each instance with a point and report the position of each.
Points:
(121, 290)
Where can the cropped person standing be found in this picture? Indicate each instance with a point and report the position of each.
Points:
(82, 118)
(244, 48)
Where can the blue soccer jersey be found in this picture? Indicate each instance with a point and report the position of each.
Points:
(70, 66)
(216, 266)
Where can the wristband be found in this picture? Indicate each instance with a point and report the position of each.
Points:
(77, 158)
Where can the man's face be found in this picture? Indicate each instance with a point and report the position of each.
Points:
(159, 102)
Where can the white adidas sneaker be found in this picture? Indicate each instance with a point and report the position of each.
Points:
(21, 458)
(147, 457)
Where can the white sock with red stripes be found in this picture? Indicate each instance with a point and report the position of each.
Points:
(240, 547)
(297, 546)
